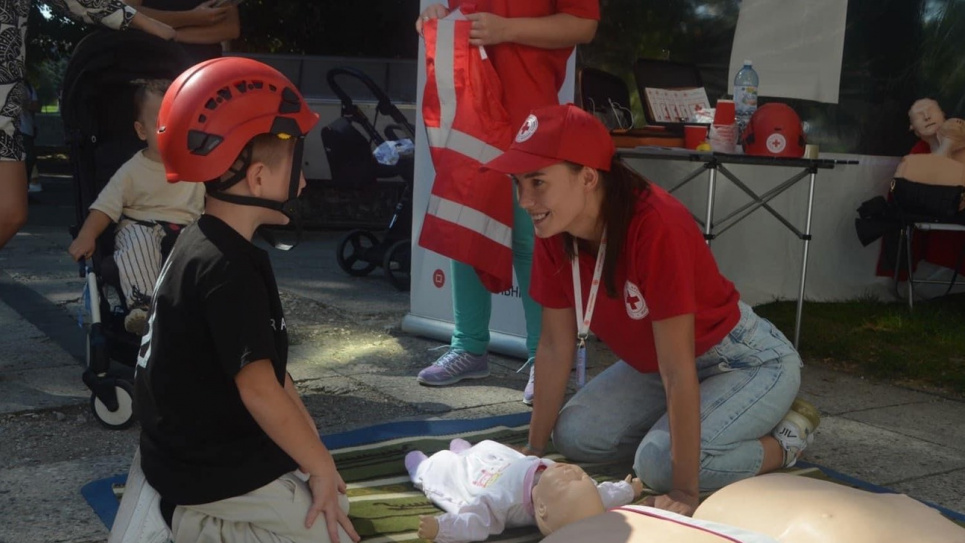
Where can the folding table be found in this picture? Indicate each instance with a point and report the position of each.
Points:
(714, 163)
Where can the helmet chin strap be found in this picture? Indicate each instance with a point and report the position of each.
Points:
(289, 207)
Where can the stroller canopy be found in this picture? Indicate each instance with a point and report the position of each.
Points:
(97, 95)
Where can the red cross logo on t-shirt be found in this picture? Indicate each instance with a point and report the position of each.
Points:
(633, 299)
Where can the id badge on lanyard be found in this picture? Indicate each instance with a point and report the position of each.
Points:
(583, 319)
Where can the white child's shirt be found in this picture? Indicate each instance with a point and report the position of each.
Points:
(488, 488)
(140, 191)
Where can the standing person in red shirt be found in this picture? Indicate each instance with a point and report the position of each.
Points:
(528, 42)
(703, 394)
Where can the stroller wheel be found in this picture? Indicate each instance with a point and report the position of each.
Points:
(397, 263)
(354, 253)
(123, 416)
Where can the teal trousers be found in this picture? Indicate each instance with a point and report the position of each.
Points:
(472, 303)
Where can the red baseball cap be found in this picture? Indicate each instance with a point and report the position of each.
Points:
(556, 134)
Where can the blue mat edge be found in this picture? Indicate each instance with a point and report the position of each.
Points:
(100, 494)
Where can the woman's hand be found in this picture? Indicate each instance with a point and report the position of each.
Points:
(152, 26)
(530, 450)
(435, 11)
(206, 14)
(674, 501)
(488, 29)
(325, 489)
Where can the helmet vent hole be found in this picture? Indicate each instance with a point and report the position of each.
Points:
(202, 119)
(224, 94)
(257, 84)
(272, 88)
(211, 104)
(202, 143)
(290, 103)
(242, 87)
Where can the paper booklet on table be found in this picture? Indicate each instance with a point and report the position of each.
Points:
(675, 105)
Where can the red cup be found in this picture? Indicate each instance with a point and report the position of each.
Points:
(725, 113)
(694, 135)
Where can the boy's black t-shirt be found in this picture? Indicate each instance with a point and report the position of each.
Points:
(216, 308)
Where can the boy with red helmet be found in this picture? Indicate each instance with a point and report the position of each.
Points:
(225, 438)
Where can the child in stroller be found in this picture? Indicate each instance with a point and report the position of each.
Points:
(98, 116)
(148, 210)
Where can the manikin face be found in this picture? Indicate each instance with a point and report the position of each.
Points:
(926, 117)
(564, 494)
(555, 198)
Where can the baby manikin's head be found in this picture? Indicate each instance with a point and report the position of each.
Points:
(564, 494)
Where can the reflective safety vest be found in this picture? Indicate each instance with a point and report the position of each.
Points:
(470, 213)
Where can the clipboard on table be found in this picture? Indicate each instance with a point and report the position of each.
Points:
(670, 92)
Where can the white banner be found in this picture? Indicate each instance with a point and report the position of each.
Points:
(430, 312)
(796, 46)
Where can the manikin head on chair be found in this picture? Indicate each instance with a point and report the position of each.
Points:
(211, 114)
(564, 494)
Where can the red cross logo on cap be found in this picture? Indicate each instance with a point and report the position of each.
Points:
(528, 129)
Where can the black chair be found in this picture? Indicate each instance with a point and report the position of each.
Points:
(904, 260)
(606, 96)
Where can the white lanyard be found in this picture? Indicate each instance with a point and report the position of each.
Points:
(583, 319)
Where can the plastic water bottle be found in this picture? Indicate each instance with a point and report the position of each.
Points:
(745, 94)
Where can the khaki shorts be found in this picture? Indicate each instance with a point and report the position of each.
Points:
(274, 513)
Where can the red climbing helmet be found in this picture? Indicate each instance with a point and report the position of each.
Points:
(774, 130)
(213, 109)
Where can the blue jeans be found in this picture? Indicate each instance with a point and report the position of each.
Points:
(747, 384)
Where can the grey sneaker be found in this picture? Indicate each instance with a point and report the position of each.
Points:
(454, 366)
(796, 430)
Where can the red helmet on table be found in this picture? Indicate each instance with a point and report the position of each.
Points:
(774, 130)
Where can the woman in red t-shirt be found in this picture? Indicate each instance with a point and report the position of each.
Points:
(698, 368)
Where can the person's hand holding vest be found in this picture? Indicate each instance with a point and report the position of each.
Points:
(435, 11)
(488, 29)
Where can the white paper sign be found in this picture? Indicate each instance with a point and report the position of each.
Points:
(796, 46)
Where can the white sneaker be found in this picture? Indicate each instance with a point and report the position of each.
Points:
(35, 187)
(796, 430)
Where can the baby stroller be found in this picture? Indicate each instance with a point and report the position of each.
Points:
(349, 153)
(98, 114)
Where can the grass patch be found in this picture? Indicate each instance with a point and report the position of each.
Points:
(924, 349)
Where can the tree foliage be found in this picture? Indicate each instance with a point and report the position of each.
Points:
(50, 39)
